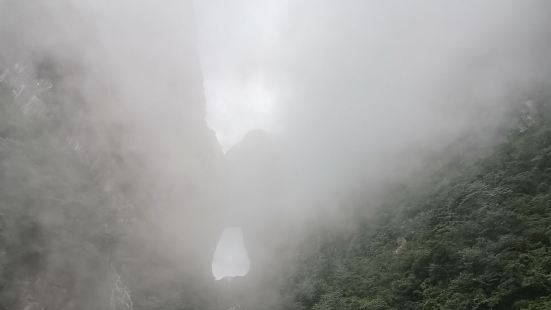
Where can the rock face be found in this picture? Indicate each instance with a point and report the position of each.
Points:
(106, 163)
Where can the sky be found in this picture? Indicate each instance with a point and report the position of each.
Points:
(235, 39)
(259, 58)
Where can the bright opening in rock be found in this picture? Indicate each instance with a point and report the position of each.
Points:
(230, 257)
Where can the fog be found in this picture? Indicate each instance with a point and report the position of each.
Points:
(134, 132)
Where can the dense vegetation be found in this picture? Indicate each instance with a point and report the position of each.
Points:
(476, 235)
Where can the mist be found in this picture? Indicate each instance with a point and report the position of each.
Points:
(134, 133)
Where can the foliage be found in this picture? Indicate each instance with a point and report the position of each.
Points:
(477, 235)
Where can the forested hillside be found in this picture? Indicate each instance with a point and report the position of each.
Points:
(475, 235)
(366, 155)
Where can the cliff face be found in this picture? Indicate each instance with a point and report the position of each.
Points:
(105, 155)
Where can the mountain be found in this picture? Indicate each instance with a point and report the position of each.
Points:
(474, 234)
(104, 157)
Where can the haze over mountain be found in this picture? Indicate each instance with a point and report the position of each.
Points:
(334, 134)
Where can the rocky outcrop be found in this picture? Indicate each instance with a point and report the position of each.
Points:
(106, 162)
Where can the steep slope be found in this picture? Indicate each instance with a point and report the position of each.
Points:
(105, 157)
(475, 235)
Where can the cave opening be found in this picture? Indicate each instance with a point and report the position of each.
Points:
(230, 258)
